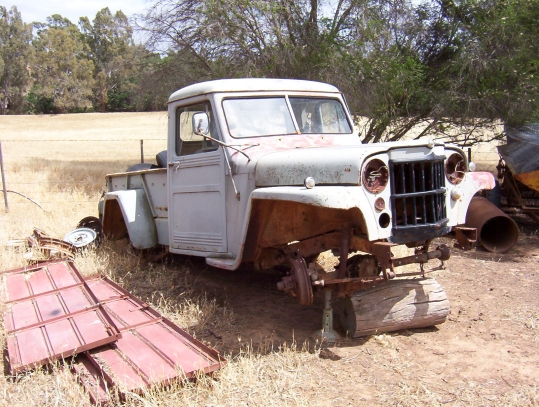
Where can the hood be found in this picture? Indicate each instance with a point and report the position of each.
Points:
(327, 165)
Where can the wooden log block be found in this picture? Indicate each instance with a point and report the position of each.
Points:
(394, 305)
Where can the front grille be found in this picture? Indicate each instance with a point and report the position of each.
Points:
(418, 199)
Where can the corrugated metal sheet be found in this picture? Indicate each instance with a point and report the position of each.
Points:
(50, 314)
(152, 349)
(522, 149)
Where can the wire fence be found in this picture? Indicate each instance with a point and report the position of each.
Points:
(34, 169)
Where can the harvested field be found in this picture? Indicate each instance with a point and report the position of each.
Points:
(484, 355)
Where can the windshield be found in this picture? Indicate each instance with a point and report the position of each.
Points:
(271, 116)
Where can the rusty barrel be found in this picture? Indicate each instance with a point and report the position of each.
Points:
(496, 231)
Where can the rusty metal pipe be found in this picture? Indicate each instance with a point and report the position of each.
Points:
(496, 231)
(441, 253)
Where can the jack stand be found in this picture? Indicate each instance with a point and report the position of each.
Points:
(327, 332)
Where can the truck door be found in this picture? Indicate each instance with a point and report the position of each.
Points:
(196, 185)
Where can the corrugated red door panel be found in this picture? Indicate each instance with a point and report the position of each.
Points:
(168, 342)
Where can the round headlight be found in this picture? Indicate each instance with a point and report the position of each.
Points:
(455, 168)
(471, 166)
(375, 176)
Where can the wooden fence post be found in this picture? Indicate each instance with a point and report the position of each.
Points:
(3, 178)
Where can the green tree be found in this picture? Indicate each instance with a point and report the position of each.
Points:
(382, 73)
(15, 59)
(63, 71)
(495, 70)
(452, 67)
(160, 76)
(110, 38)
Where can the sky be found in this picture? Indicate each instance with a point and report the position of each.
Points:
(39, 10)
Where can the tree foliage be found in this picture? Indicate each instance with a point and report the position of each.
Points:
(495, 67)
(58, 67)
(447, 67)
(15, 59)
(110, 39)
(438, 64)
(283, 38)
(63, 71)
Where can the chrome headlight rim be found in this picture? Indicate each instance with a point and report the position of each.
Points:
(455, 168)
(375, 176)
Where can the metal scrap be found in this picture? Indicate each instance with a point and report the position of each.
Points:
(121, 343)
(40, 246)
(152, 349)
(51, 314)
(518, 172)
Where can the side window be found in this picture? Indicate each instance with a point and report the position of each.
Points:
(187, 142)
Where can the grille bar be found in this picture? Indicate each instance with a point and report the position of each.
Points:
(418, 194)
(422, 193)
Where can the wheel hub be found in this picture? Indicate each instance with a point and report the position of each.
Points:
(298, 283)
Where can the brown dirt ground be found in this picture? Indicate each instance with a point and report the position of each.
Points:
(485, 352)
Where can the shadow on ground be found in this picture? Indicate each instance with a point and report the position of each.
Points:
(243, 307)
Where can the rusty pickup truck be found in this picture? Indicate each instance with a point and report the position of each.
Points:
(272, 172)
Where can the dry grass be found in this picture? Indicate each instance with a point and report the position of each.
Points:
(66, 178)
(527, 316)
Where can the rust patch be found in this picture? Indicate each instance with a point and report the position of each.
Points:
(277, 223)
(530, 179)
(114, 227)
(484, 180)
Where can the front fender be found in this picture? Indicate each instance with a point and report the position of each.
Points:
(334, 197)
(471, 184)
(330, 197)
(132, 205)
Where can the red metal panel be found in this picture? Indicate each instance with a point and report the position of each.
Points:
(63, 276)
(16, 287)
(133, 364)
(45, 277)
(50, 313)
(93, 379)
(152, 349)
(123, 373)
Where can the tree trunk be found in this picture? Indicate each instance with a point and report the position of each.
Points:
(3, 105)
(394, 305)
